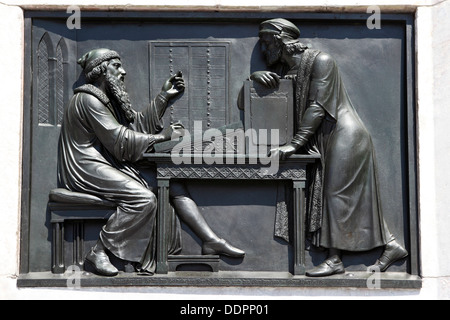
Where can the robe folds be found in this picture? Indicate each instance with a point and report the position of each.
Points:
(98, 149)
(344, 208)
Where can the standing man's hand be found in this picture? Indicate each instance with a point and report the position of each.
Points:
(266, 78)
(283, 152)
(173, 86)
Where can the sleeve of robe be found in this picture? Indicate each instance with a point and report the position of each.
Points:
(125, 144)
(150, 120)
(324, 87)
(322, 100)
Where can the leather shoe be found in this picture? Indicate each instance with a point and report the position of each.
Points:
(328, 268)
(393, 252)
(221, 247)
(101, 263)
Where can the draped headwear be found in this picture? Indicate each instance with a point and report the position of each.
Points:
(280, 27)
(95, 57)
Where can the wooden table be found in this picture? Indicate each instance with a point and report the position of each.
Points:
(230, 167)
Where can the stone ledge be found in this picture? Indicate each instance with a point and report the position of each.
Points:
(387, 280)
(337, 6)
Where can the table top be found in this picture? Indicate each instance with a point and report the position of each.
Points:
(229, 159)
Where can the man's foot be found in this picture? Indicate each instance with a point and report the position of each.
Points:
(393, 252)
(101, 263)
(221, 247)
(329, 267)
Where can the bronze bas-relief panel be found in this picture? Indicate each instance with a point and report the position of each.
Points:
(216, 56)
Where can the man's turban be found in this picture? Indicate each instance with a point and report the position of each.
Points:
(95, 57)
(281, 27)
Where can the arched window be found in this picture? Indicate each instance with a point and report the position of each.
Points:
(52, 77)
(43, 97)
(60, 80)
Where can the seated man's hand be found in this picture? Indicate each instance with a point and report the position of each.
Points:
(283, 152)
(173, 131)
(266, 78)
(173, 86)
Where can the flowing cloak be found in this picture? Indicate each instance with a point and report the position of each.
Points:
(98, 149)
(343, 209)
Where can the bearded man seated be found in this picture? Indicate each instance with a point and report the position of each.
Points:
(102, 139)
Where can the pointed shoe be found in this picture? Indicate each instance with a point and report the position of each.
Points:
(221, 247)
(101, 263)
(327, 268)
(393, 252)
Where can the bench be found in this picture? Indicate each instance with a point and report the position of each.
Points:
(65, 206)
(68, 206)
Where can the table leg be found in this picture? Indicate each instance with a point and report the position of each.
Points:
(162, 265)
(299, 228)
(58, 248)
(78, 243)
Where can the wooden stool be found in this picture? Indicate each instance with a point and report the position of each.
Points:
(76, 207)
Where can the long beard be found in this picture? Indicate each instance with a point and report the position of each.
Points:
(119, 92)
(273, 56)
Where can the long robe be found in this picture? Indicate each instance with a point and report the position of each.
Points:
(98, 149)
(344, 202)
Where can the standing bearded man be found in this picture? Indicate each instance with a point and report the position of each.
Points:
(102, 138)
(344, 211)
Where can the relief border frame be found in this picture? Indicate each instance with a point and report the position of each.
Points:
(406, 19)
